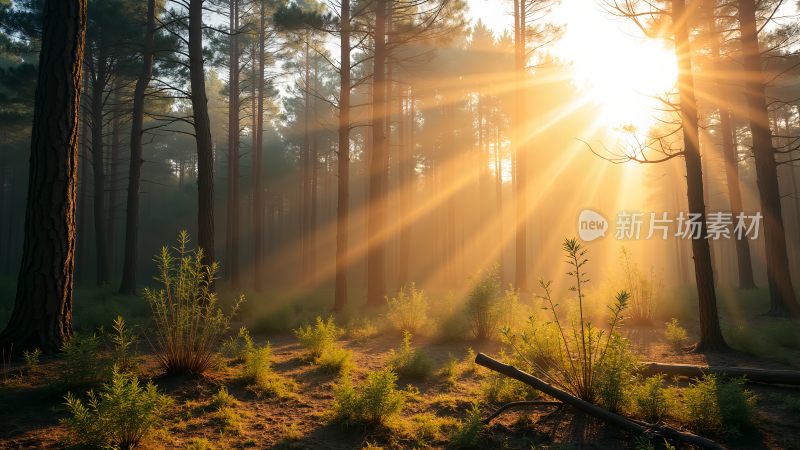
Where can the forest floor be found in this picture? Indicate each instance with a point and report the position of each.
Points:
(31, 405)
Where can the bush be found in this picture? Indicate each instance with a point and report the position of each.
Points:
(498, 388)
(651, 399)
(322, 335)
(482, 305)
(239, 346)
(189, 324)
(373, 402)
(719, 406)
(451, 369)
(616, 373)
(468, 433)
(123, 342)
(676, 335)
(83, 365)
(643, 289)
(335, 359)
(408, 311)
(32, 360)
(588, 362)
(257, 370)
(410, 362)
(120, 415)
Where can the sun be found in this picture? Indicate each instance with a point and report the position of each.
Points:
(615, 65)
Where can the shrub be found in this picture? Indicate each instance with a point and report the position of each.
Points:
(468, 433)
(676, 335)
(651, 399)
(123, 343)
(222, 399)
(323, 334)
(451, 369)
(120, 415)
(189, 324)
(237, 347)
(408, 311)
(335, 359)
(498, 388)
(720, 406)
(643, 289)
(576, 356)
(410, 362)
(257, 370)
(373, 402)
(616, 372)
(360, 329)
(83, 365)
(482, 305)
(32, 360)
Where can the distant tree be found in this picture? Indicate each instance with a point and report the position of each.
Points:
(42, 315)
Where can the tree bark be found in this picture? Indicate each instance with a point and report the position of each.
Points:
(378, 166)
(769, 376)
(113, 165)
(343, 162)
(202, 131)
(710, 333)
(128, 285)
(232, 229)
(258, 200)
(782, 297)
(100, 62)
(521, 172)
(42, 315)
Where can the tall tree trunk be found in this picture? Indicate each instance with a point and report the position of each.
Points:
(232, 228)
(111, 219)
(343, 162)
(98, 165)
(128, 285)
(521, 261)
(305, 222)
(710, 333)
(258, 200)
(312, 225)
(405, 162)
(42, 315)
(378, 164)
(83, 162)
(743, 260)
(202, 131)
(782, 297)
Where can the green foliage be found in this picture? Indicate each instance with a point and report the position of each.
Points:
(32, 360)
(120, 415)
(222, 399)
(410, 362)
(651, 401)
(373, 402)
(237, 347)
(643, 289)
(468, 433)
(335, 359)
(498, 388)
(589, 362)
(451, 369)
(360, 329)
(257, 370)
(322, 335)
(482, 305)
(189, 324)
(616, 373)
(83, 365)
(676, 335)
(123, 341)
(408, 310)
(712, 404)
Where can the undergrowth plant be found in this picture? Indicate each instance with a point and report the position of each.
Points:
(676, 335)
(643, 289)
(257, 370)
(123, 346)
(319, 336)
(83, 364)
(717, 405)
(373, 402)
(189, 323)
(120, 415)
(408, 310)
(483, 307)
(409, 361)
(32, 360)
(591, 363)
(469, 431)
(237, 347)
(651, 400)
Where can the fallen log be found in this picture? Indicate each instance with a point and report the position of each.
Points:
(635, 427)
(768, 376)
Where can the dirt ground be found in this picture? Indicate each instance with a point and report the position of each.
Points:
(30, 407)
